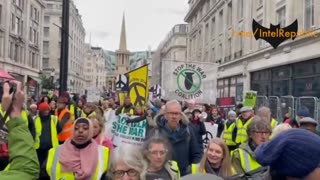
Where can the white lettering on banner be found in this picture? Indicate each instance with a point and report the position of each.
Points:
(123, 133)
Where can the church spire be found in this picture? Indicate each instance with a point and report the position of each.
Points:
(123, 37)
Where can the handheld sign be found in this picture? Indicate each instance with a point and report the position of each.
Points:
(123, 133)
(250, 99)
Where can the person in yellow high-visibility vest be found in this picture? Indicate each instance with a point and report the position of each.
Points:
(229, 133)
(265, 114)
(243, 159)
(47, 128)
(89, 110)
(242, 123)
(79, 157)
(216, 160)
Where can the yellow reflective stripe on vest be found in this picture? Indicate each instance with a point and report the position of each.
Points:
(227, 134)
(131, 112)
(53, 165)
(248, 163)
(273, 123)
(173, 165)
(54, 134)
(193, 169)
(242, 135)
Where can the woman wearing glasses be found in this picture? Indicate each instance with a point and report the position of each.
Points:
(243, 158)
(156, 151)
(127, 163)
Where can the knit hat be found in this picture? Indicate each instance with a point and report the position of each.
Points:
(232, 113)
(44, 107)
(293, 153)
(304, 112)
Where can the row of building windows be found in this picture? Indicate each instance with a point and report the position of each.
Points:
(209, 40)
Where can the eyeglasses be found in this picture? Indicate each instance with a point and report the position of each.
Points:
(121, 173)
(161, 153)
(262, 132)
(174, 113)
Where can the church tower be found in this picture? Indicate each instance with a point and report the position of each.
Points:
(122, 53)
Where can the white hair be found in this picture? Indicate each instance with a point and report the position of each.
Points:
(280, 128)
(172, 102)
(131, 156)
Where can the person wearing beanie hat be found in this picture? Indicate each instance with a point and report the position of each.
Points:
(243, 159)
(46, 126)
(64, 119)
(242, 123)
(309, 124)
(229, 133)
(292, 154)
(303, 112)
(197, 122)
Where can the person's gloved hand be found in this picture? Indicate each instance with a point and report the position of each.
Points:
(128, 121)
(17, 99)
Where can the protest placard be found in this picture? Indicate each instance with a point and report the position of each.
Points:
(132, 133)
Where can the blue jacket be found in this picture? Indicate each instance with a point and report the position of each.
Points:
(185, 147)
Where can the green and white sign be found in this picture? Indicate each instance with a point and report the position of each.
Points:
(184, 81)
(250, 99)
(123, 133)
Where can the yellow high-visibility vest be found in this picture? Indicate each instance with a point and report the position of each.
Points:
(24, 115)
(73, 114)
(131, 112)
(173, 165)
(84, 115)
(194, 169)
(227, 134)
(248, 162)
(53, 166)
(273, 123)
(242, 135)
(54, 134)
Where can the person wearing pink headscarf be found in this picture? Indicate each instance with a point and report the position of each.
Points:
(79, 158)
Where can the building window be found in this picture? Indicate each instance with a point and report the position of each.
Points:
(229, 20)
(45, 63)
(260, 3)
(207, 33)
(0, 14)
(221, 22)
(240, 9)
(46, 31)
(213, 26)
(46, 19)
(281, 17)
(46, 47)
(19, 3)
(308, 14)
(213, 55)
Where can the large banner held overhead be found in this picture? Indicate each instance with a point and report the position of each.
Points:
(138, 85)
(189, 81)
(123, 133)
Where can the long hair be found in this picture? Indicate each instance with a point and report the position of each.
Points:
(226, 166)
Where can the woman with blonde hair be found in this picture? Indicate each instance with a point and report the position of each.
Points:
(280, 128)
(99, 132)
(128, 163)
(216, 160)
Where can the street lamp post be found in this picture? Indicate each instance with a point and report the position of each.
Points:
(64, 52)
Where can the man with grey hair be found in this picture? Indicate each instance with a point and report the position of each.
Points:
(174, 125)
(265, 114)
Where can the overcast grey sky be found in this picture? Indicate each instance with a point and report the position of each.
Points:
(147, 21)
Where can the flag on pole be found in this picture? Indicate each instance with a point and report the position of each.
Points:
(138, 85)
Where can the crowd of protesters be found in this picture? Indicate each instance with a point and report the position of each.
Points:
(70, 138)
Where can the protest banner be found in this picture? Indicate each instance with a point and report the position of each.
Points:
(212, 130)
(123, 133)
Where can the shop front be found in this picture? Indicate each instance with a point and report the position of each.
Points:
(299, 79)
